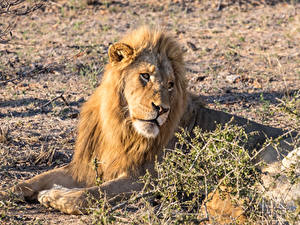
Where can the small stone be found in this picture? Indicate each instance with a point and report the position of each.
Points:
(232, 78)
(291, 161)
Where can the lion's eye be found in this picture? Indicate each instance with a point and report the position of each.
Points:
(145, 77)
(170, 85)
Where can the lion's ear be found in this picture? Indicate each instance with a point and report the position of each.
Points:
(119, 51)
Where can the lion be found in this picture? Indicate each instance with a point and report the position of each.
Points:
(124, 125)
(127, 122)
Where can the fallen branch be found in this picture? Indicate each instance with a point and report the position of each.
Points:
(54, 99)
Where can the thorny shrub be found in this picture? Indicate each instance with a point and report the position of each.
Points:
(202, 163)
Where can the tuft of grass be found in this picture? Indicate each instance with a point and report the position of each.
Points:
(265, 110)
(291, 104)
(91, 72)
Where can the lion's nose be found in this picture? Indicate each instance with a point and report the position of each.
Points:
(160, 109)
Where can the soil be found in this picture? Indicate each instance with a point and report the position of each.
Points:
(242, 58)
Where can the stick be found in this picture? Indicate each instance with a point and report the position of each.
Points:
(53, 99)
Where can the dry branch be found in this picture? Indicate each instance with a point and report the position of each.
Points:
(54, 99)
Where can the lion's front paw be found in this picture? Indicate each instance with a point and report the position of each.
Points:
(70, 201)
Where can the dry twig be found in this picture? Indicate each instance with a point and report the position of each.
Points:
(53, 99)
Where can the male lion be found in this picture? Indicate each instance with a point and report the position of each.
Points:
(127, 122)
(124, 125)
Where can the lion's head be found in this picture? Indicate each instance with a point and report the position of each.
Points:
(153, 79)
(135, 110)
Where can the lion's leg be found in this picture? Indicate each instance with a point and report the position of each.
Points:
(75, 201)
(57, 188)
(29, 189)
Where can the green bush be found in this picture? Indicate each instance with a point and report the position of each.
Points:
(202, 163)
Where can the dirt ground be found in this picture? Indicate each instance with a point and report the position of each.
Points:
(242, 58)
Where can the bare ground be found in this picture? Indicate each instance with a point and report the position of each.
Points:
(244, 59)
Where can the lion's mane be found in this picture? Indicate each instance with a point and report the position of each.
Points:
(105, 132)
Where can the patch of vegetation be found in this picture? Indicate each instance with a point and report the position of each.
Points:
(291, 104)
(202, 163)
(91, 72)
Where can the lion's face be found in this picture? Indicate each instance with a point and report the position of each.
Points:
(149, 92)
(152, 85)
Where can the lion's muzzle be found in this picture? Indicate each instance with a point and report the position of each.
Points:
(150, 127)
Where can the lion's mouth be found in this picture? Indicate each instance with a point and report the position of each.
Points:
(154, 121)
(158, 121)
(150, 127)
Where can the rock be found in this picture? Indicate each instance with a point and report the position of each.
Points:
(232, 78)
(275, 177)
(292, 160)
